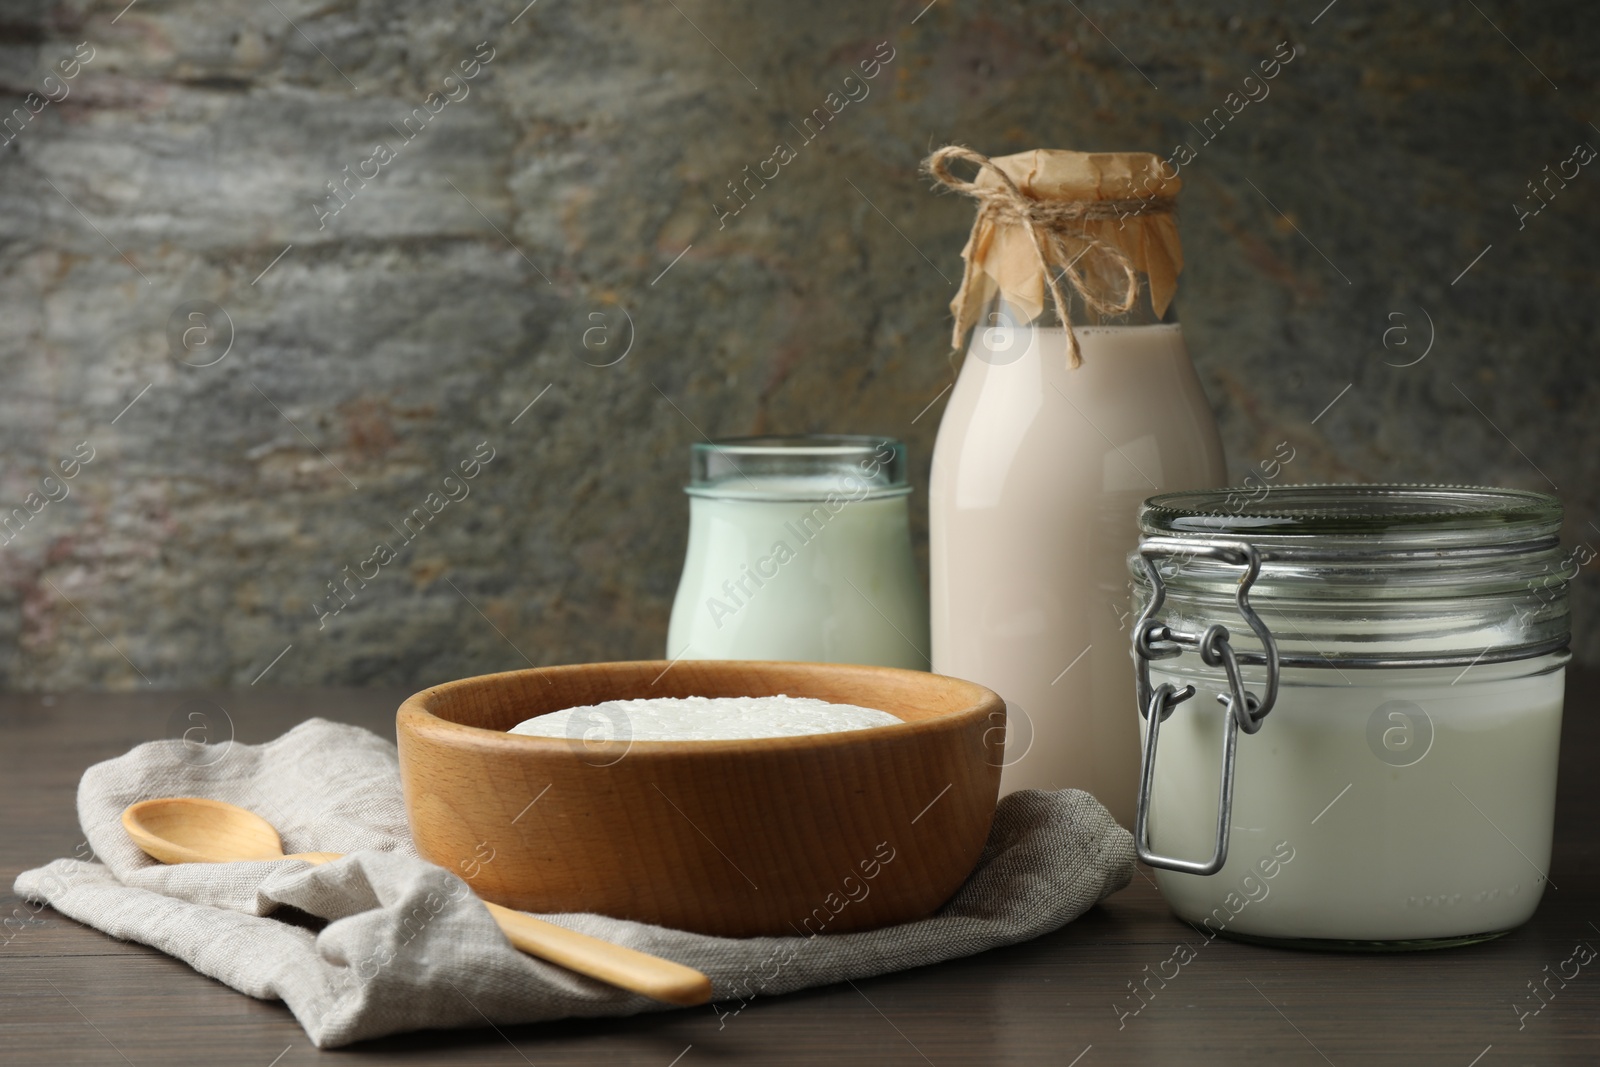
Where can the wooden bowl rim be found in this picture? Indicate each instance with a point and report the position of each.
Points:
(985, 703)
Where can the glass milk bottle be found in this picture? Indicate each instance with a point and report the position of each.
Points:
(1052, 438)
(800, 549)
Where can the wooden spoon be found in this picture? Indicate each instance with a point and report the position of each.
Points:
(197, 830)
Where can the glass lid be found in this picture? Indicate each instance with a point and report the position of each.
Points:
(1366, 574)
(1338, 510)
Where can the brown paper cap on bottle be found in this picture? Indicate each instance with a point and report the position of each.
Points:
(1003, 255)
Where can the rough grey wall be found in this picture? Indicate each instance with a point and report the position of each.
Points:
(563, 209)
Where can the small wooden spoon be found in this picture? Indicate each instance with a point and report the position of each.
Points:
(197, 830)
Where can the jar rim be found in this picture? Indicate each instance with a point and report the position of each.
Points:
(796, 444)
(1335, 509)
(798, 467)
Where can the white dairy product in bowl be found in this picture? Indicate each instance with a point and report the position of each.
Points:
(703, 719)
(1398, 790)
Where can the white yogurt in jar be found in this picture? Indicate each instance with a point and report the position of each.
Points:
(703, 719)
(825, 580)
(800, 549)
(1417, 803)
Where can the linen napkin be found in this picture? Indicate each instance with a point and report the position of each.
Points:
(406, 946)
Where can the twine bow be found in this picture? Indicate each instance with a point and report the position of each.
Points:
(1046, 222)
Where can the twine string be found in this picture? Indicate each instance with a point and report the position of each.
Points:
(1047, 223)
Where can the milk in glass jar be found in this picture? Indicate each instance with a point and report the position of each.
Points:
(800, 549)
(1394, 656)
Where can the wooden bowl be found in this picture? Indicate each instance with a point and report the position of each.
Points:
(823, 833)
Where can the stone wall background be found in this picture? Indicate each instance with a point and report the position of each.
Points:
(559, 196)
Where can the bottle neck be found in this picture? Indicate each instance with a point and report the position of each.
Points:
(1007, 334)
(1002, 312)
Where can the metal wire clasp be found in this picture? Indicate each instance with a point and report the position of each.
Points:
(1153, 639)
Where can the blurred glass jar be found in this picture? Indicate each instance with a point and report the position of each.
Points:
(800, 549)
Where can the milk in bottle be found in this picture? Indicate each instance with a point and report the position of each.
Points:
(1040, 466)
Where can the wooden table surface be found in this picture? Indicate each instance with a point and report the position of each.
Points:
(70, 995)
